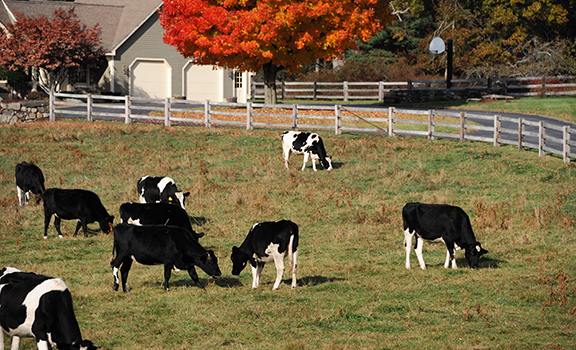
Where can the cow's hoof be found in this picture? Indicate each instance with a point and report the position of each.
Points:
(115, 287)
(45, 237)
(60, 236)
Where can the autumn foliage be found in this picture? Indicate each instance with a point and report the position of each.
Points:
(271, 34)
(54, 45)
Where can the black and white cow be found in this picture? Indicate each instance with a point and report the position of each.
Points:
(171, 246)
(29, 179)
(310, 145)
(440, 223)
(74, 204)
(40, 307)
(160, 189)
(267, 242)
(156, 214)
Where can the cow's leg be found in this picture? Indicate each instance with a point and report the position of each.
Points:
(57, 225)
(408, 245)
(286, 157)
(256, 272)
(450, 251)
(124, 270)
(14, 343)
(418, 248)
(294, 268)
(279, 262)
(43, 345)
(116, 279)
(167, 275)
(313, 163)
(194, 276)
(20, 193)
(306, 156)
(47, 218)
(78, 225)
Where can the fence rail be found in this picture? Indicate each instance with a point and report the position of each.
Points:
(542, 136)
(346, 91)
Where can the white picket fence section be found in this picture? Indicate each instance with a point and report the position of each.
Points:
(348, 91)
(298, 116)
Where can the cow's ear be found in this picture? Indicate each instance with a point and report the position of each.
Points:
(186, 194)
(209, 255)
(483, 251)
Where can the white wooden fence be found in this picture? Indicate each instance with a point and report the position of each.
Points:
(391, 121)
(347, 91)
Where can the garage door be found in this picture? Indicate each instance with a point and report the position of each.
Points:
(203, 83)
(150, 79)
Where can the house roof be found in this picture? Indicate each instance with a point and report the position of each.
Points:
(118, 19)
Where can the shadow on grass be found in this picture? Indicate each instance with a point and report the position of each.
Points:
(198, 221)
(315, 280)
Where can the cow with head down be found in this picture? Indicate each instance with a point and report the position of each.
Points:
(160, 189)
(308, 144)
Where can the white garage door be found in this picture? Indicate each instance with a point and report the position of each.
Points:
(203, 83)
(150, 79)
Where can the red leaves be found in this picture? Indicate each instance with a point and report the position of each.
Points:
(246, 34)
(53, 44)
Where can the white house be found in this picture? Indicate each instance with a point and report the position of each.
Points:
(138, 62)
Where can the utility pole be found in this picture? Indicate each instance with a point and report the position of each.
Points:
(450, 52)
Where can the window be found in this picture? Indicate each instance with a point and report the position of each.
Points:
(237, 80)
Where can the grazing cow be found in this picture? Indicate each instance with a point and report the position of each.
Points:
(74, 204)
(40, 307)
(29, 178)
(310, 145)
(440, 223)
(156, 214)
(171, 246)
(159, 189)
(266, 242)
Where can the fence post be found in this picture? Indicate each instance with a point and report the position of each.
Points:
(167, 114)
(497, 125)
(249, 120)
(566, 143)
(207, 113)
(315, 91)
(520, 134)
(381, 91)
(390, 121)
(543, 93)
(541, 139)
(409, 84)
(345, 88)
(338, 123)
(52, 103)
(127, 109)
(462, 126)
(430, 124)
(490, 83)
(505, 85)
(283, 90)
(295, 117)
(89, 108)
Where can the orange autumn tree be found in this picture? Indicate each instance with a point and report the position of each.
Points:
(271, 35)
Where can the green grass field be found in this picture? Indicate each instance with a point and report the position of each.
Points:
(353, 289)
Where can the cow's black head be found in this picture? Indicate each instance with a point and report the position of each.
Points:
(473, 253)
(209, 264)
(239, 260)
(107, 223)
(326, 163)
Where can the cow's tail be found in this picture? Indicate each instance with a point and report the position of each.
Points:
(292, 246)
(113, 251)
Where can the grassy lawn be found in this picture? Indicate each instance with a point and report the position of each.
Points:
(353, 289)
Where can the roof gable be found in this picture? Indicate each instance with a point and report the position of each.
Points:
(117, 19)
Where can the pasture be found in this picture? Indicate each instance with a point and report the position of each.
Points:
(353, 289)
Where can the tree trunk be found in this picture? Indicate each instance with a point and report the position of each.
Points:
(270, 70)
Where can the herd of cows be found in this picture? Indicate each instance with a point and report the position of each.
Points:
(157, 230)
